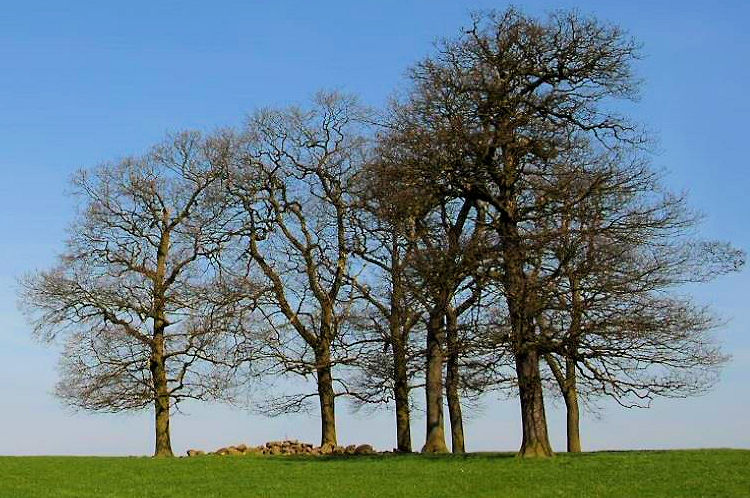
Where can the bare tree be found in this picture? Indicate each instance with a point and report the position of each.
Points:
(486, 118)
(445, 269)
(382, 247)
(145, 317)
(443, 248)
(293, 184)
(621, 247)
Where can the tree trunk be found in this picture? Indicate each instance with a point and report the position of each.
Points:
(401, 395)
(454, 407)
(571, 408)
(519, 297)
(567, 384)
(161, 400)
(451, 385)
(535, 441)
(571, 390)
(326, 397)
(435, 437)
(399, 336)
(157, 362)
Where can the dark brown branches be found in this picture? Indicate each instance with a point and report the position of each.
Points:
(485, 121)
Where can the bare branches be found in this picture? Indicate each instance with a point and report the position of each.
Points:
(506, 214)
(292, 184)
(138, 283)
(581, 241)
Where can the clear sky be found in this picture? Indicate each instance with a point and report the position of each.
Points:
(84, 82)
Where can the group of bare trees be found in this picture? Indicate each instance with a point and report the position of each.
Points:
(498, 227)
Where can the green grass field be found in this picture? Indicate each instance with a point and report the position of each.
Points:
(642, 473)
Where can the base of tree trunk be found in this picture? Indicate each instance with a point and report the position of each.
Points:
(535, 450)
(436, 446)
(535, 442)
(574, 442)
(435, 440)
(326, 448)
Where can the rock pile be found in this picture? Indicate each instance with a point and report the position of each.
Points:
(289, 447)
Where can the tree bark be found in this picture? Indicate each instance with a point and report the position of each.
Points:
(163, 447)
(535, 441)
(451, 385)
(157, 362)
(401, 395)
(398, 334)
(567, 383)
(573, 424)
(326, 396)
(454, 408)
(520, 300)
(570, 391)
(570, 395)
(435, 436)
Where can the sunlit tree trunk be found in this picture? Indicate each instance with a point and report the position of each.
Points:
(451, 384)
(435, 436)
(535, 442)
(157, 361)
(572, 413)
(326, 396)
(161, 400)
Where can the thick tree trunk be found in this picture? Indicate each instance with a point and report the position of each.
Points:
(535, 441)
(401, 395)
(435, 437)
(520, 298)
(326, 397)
(451, 386)
(163, 447)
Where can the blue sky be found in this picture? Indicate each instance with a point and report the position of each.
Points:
(85, 82)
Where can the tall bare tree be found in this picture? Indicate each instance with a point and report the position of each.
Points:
(145, 318)
(293, 184)
(446, 269)
(382, 246)
(443, 253)
(486, 118)
(621, 247)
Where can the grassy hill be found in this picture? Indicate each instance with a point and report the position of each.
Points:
(631, 473)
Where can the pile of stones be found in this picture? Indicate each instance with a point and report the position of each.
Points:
(289, 447)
